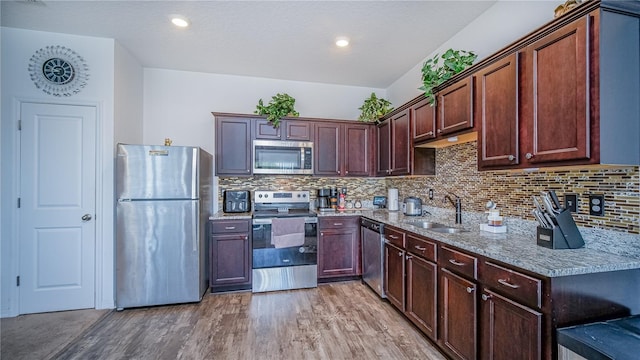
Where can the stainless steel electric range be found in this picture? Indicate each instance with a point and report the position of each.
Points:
(284, 241)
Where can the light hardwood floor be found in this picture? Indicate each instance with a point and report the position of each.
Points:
(334, 321)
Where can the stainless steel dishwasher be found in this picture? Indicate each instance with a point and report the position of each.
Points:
(372, 254)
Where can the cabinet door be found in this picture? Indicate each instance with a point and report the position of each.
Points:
(455, 106)
(383, 157)
(458, 336)
(230, 260)
(394, 275)
(496, 107)
(327, 149)
(233, 146)
(509, 330)
(422, 294)
(338, 252)
(265, 130)
(424, 121)
(400, 143)
(357, 150)
(557, 101)
(298, 130)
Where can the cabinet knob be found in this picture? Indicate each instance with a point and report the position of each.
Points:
(439, 131)
(409, 257)
(346, 172)
(430, 133)
(486, 297)
(400, 253)
(470, 289)
(511, 158)
(420, 248)
(528, 156)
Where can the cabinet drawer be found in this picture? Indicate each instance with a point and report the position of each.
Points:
(516, 285)
(338, 222)
(421, 247)
(458, 262)
(229, 226)
(394, 236)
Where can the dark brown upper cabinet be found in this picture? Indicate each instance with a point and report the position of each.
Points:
(394, 145)
(557, 103)
(343, 149)
(496, 108)
(424, 121)
(455, 107)
(327, 158)
(233, 145)
(290, 130)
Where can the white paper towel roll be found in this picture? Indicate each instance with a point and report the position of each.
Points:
(392, 199)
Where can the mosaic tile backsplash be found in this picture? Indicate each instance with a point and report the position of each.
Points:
(457, 172)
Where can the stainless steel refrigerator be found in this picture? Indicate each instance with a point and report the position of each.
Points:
(163, 198)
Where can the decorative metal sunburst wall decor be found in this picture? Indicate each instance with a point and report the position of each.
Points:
(58, 71)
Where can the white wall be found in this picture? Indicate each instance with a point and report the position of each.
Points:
(128, 97)
(17, 47)
(499, 26)
(178, 104)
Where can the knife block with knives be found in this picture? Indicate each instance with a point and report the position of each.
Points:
(557, 229)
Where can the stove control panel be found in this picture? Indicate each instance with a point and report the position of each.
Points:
(262, 196)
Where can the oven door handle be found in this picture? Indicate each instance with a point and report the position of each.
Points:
(267, 221)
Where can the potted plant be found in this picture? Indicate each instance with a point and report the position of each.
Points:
(374, 108)
(439, 69)
(281, 105)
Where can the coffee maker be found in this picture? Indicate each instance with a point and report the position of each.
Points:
(324, 203)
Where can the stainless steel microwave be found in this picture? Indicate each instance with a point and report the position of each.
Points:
(282, 157)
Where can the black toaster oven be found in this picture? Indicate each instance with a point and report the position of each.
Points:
(236, 201)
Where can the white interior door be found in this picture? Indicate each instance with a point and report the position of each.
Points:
(57, 192)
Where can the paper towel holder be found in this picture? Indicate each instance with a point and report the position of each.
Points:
(392, 200)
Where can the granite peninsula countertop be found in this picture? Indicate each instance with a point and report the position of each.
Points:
(510, 248)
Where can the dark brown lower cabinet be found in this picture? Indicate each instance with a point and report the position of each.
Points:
(394, 275)
(421, 301)
(339, 247)
(509, 330)
(458, 317)
(230, 255)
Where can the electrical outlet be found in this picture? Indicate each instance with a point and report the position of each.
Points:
(571, 202)
(430, 194)
(596, 205)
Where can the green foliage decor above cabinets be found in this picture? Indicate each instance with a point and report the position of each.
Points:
(281, 105)
(439, 69)
(374, 108)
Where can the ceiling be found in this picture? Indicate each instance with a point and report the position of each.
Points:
(289, 40)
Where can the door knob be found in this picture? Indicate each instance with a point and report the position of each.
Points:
(86, 217)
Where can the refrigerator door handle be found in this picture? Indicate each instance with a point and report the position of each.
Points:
(194, 174)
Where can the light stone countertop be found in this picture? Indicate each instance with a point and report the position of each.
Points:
(510, 248)
(514, 249)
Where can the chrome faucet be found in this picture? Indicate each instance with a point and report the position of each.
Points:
(457, 203)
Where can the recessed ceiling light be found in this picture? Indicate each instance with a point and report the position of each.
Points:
(342, 41)
(179, 21)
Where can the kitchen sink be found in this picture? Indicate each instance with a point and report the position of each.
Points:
(425, 224)
(448, 230)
